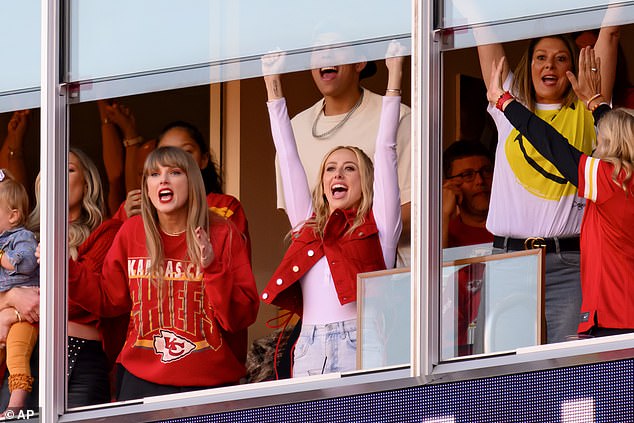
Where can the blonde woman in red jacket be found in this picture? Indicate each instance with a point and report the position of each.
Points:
(185, 277)
(351, 224)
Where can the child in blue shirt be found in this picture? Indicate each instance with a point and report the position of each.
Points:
(18, 268)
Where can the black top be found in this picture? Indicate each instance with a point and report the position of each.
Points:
(547, 141)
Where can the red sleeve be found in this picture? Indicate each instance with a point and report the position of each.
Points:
(120, 214)
(91, 254)
(103, 290)
(229, 207)
(231, 294)
(595, 179)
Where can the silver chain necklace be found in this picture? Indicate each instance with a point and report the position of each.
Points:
(335, 128)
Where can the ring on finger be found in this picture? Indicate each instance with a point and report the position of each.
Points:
(593, 69)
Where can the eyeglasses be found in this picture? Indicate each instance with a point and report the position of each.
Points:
(486, 172)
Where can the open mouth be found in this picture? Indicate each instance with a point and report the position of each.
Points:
(549, 80)
(165, 195)
(338, 191)
(328, 73)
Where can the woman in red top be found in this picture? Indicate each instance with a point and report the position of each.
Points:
(184, 276)
(89, 238)
(188, 138)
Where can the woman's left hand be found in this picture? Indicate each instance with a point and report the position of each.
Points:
(587, 85)
(206, 252)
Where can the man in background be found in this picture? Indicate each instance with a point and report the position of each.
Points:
(468, 173)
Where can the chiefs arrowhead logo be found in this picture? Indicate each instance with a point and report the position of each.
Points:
(172, 347)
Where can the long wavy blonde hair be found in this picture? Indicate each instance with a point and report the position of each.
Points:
(616, 146)
(320, 202)
(92, 205)
(198, 214)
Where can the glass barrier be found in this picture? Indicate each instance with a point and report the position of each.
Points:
(384, 318)
(20, 47)
(109, 39)
(457, 13)
(491, 301)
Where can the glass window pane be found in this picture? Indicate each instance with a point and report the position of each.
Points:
(121, 38)
(467, 12)
(20, 48)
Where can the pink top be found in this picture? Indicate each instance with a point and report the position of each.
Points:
(321, 304)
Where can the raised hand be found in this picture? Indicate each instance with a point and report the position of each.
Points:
(495, 89)
(587, 85)
(206, 252)
(18, 125)
(272, 66)
(394, 63)
(123, 117)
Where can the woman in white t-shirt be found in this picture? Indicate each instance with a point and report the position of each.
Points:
(532, 204)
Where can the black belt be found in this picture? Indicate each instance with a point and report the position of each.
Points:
(516, 244)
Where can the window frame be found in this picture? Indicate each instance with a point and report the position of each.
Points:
(541, 357)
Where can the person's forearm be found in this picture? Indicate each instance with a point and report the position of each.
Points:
(546, 140)
(273, 85)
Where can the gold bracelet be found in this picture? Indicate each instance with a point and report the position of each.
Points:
(133, 141)
(591, 99)
(1, 254)
(393, 90)
(17, 314)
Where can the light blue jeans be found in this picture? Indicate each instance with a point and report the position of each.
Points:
(326, 348)
(563, 295)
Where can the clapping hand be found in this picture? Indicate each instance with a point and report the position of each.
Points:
(495, 89)
(206, 252)
(587, 85)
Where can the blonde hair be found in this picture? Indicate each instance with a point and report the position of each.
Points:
(320, 203)
(197, 216)
(616, 144)
(13, 195)
(92, 204)
(523, 88)
(33, 221)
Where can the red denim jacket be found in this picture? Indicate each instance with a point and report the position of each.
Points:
(348, 254)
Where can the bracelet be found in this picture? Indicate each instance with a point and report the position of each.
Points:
(393, 90)
(1, 254)
(596, 106)
(17, 314)
(504, 97)
(591, 99)
(133, 141)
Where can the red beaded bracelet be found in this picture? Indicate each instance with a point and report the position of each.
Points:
(503, 99)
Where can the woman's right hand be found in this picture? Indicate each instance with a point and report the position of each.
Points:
(26, 300)
(272, 66)
(18, 124)
(495, 89)
(123, 117)
(133, 203)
